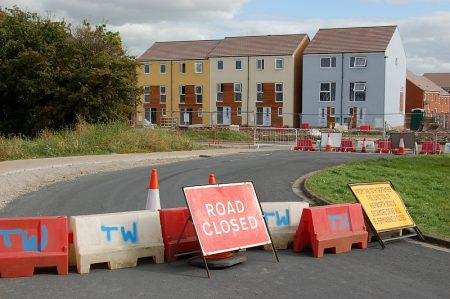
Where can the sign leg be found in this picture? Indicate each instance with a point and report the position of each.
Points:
(180, 236)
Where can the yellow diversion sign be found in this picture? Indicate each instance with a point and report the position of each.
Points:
(382, 205)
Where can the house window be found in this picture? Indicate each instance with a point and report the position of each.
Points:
(237, 92)
(238, 64)
(239, 111)
(327, 91)
(147, 114)
(280, 111)
(146, 94)
(357, 91)
(278, 92)
(146, 69)
(162, 68)
(220, 65)
(358, 61)
(259, 92)
(198, 94)
(162, 94)
(327, 62)
(260, 64)
(219, 92)
(279, 63)
(182, 92)
(164, 112)
(198, 67)
(182, 67)
(200, 112)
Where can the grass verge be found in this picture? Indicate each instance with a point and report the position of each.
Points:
(87, 139)
(221, 134)
(423, 182)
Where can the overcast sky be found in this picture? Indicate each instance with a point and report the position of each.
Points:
(424, 24)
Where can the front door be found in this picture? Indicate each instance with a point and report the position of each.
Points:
(224, 115)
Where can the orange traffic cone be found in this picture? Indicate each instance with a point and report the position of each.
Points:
(401, 146)
(212, 179)
(364, 146)
(153, 201)
(329, 147)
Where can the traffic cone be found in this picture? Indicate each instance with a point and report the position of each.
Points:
(401, 146)
(364, 146)
(153, 202)
(212, 179)
(328, 147)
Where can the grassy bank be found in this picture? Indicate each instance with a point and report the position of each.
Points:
(423, 183)
(88, 139)
(221, 134)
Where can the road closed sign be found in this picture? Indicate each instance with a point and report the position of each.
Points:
(382, 205)
(226, 217)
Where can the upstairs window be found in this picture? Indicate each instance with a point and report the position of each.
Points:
(162, 94)
(146, 94)
(238, 64)
(237, 92)
(358, 61)
(198, 67)
(182, 93)
(327, 91)
(220, 65)
(198, 94)
(219, 92)
(162, 68)
(259, 64)
(278, 92)
(259, 92)
(146, 69)
(327, 62)
(279, 63)
(357, 91)
(182, 67)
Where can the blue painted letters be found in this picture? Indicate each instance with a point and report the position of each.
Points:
(281, 220)
(30, 243)
(127, 235)
(343, 221)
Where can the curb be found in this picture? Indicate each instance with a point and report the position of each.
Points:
(300, 184)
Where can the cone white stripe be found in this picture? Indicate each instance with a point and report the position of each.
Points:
(153, 202)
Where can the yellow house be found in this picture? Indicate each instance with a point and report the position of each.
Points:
(175, 77)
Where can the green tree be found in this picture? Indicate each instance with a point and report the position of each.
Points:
(51, 74)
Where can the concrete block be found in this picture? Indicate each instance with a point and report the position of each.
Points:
(282, 218)
(116, 238)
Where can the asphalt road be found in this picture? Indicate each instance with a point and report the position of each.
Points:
(403, 270)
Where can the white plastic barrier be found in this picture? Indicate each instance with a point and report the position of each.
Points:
(282, 219)
(447, 148)
(117, 238)
(370, 145)
(336, 139)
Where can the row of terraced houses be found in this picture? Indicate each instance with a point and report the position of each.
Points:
(348, 76)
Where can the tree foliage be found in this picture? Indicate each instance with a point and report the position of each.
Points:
(51, 74)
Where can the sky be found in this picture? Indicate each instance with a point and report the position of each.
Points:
(424, 25)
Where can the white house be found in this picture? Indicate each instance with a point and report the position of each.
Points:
(354, 76)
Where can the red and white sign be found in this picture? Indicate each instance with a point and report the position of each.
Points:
(226, 217)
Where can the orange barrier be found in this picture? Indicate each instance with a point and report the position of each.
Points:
(430, 147)
(172, 223)
(333, 226)
(304, 145)
(384, 146)
(347, 146)
(305, 126)
(26, 243)
(365, 128)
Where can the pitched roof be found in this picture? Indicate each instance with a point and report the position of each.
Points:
(441, 79)
(263, 45)
(424, 83)
(351, 40)
(179, 50)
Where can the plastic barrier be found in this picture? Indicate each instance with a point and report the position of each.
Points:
(117, 238)
(447, 148)
(336, 139)
(26, 243)
(305, 126)
(430, 147)
(172, 222)
(384, 146)
(370, 146)
(282, 218)
(347, 146)
(304, 145)
(334, 226)
(365, 128)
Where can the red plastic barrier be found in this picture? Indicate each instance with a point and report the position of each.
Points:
(26, 243)
(334, 226)
(172, 222)
(347, 146)
(430, 147)
(365, 128)
(305, 126)
(384, 146)
(304, 145)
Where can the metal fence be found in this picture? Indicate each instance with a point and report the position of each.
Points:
(275, 136)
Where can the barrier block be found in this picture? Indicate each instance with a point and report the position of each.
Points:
(430, 148)
(172, 223)
(384, 146)
(365, 128)
(304, 145)
(305, 126)
(370, 145)
(347, 146)
(282, 219)
(26, 243)
(447, 148)
(116, 238)
(333, 226)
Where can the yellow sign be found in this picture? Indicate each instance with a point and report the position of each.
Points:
(382, 205)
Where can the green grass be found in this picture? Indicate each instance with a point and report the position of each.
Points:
(423, 183)
(88, 139)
